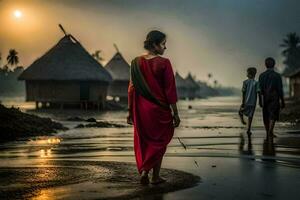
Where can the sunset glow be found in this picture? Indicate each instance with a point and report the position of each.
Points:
(18, 14)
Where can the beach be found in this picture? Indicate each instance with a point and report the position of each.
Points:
(210, 144)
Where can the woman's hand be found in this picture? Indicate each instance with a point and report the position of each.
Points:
(129, 119)
(176, 120)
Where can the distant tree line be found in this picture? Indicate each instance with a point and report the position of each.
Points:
(9, 72)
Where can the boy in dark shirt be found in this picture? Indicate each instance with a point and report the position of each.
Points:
(272, 96)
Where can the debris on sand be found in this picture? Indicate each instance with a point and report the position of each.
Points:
(183, 145)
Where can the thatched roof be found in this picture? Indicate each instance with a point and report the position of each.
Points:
(67, 60)
(190, 82)
(180, 82)
(118, 68)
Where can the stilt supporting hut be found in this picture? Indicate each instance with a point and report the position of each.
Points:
(66, 74)
(119, 70)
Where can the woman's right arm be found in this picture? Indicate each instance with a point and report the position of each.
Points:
(130, 103)
(176, 117)
(171, 92)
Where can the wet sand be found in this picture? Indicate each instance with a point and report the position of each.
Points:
(85, 180)
(217, 150)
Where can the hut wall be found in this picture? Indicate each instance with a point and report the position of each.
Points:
(98, 92)
(118, 89)
(52, 91)
(63, 91)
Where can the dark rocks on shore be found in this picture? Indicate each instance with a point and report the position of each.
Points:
(91, 120)
(15, 124)
(75, 119)
(94, 123)
(79, 119)
(100, 124)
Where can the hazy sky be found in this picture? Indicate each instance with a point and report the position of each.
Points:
(222, 37)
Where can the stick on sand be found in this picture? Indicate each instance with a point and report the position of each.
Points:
(183, 145)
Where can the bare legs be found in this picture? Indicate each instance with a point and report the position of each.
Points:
(144, 178)
(156, 170)
(269, 126)
(249, 126)
(249, 122)
(242, 117)
(156, 179)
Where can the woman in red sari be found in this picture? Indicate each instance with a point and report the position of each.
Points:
(154, 112)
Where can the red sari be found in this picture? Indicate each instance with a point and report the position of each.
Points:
(153, 124)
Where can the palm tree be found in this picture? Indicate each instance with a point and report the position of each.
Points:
(215, 83)
(97, 56)
(209, 75)
(291, 52)
(12, 57)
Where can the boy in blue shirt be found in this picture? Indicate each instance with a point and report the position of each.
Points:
(250, 92)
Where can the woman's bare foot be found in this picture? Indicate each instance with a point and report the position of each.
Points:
(156, 181)
(144, 178)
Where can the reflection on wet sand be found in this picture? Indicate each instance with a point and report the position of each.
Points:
(248, 151)
(45, 194)
(45, 153)
(154, 197)
(269, 150)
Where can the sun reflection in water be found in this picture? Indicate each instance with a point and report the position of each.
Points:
(53, 141)
(42, 141)
(45, 153)
(45, 194)
(46, 144)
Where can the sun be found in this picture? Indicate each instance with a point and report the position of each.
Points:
(18, 13)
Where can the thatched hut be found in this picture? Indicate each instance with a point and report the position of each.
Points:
(192, 87)
(181, 86)
(294, 82)
(119, 70)
(206, 90)
(66, 74)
